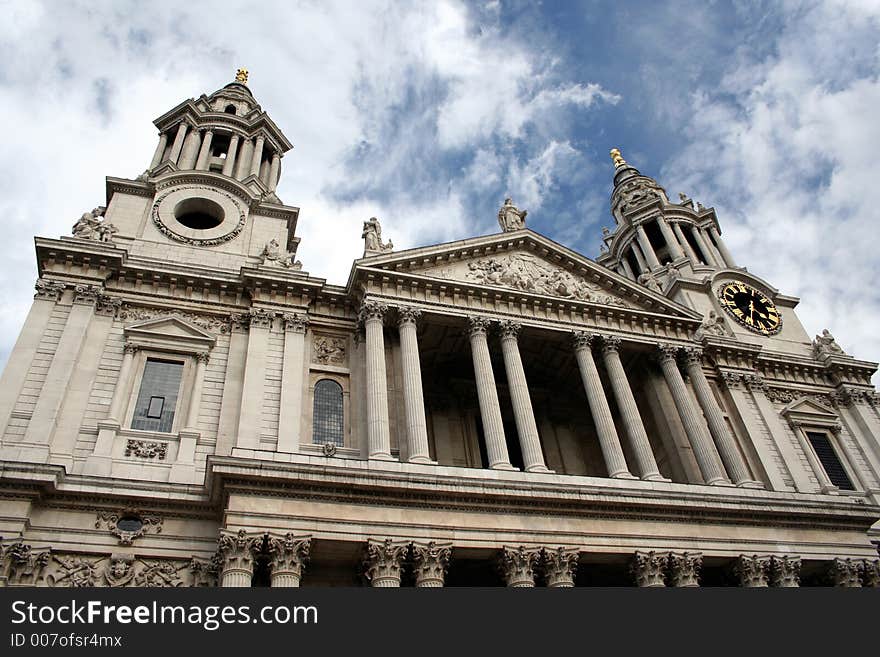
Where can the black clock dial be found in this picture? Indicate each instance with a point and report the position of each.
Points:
(750, 307)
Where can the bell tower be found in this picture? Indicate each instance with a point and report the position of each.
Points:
(209, 195)
(657, 240)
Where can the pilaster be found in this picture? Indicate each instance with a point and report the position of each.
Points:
(250, 419)
(292, 382)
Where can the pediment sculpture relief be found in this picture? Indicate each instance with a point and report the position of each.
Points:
(273, 254)
(93, 226)
(527, 273)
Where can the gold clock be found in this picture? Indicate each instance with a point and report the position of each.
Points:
(750, 307)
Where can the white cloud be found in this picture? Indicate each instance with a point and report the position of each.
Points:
(786, 150)
(374, 96)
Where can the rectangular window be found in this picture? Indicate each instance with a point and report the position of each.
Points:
(157, 399)
(829, 460)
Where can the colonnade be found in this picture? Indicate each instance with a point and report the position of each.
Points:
(715, 448)
(191, 150)
(708, 239)
(384, 561)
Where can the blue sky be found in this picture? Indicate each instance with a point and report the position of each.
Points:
(428, 115)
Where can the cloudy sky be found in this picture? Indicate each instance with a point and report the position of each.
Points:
(428, 114)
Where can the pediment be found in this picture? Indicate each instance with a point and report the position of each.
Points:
(528, 263)
(809, 407)
(172, 329)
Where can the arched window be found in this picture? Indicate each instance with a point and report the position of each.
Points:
(230, 109)
(327, 416)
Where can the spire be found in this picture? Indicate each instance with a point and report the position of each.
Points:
(622, 170)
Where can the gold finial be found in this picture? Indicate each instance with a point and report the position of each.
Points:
(616, 157)
(241, 75)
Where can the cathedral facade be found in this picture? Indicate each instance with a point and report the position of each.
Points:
(185, 406)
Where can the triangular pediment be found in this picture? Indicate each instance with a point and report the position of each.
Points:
(526, 263)
(172, 328)
(809, 407)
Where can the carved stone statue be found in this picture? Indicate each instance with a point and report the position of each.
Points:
(372, 235)
(825, 345)
(511, 217)
(650, 281)
(92, 226)
(712, 325)
(273, 254)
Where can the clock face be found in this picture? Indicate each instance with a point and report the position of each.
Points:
(750, 307)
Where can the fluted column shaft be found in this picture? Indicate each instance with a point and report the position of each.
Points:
(647, 248)
(674, 249)
(608, 439)
(487, 395)
(119, 392)
(524, 415)
(178, 142)
(725, 443)
(632, 420)
(722, 247)
(160, 151)
(195, 403)
(700, 441)
(688, 249)
(288, 555)
(704, 247)
(274, 172)
(257, 157)
(229, 164)
(378, 433)
(413, 396)
(205, 151)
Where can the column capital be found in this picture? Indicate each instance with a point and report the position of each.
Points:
(289, 553)
(582, 339)
(131, 348)
(752, 570)
(372, 311)
(295, 322)
(847, 572)
(382, 561)
(87, 294)
(203, 357)
(478, 325)
(236, 549)
(872, 573)
(509, 329)
(693, 356)
(431, 562)
(46, 289)
(785, 571)
(732, 380)
(755, 382)
(408, 315)
(560, 566)
(517, 565)
(649, 568)
(260, 318)
(684, 568)
(666, 352)
(610, 344)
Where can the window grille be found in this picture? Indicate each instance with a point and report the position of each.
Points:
(327, 418)
(157, 399)
(829, 460)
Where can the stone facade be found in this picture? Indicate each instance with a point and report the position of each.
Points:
(185, 406)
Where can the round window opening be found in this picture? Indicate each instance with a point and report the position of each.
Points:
(129, 524)
(199, 213)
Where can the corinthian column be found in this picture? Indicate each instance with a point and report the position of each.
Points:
(530, 442)
(725, 443)
(753, 571)
(608, 440)
(847, 572)
(560, 566)
(383, 561)
(649, 568)
(518, 565)
(684, 568)
(431, 563)
(632, 420)
(785, 571)
(378, 433)
(289, 555)
(413, 396)
(236, 551)
(699, 438)
(487, 394)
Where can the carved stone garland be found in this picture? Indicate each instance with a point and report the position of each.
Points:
(109, 520)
